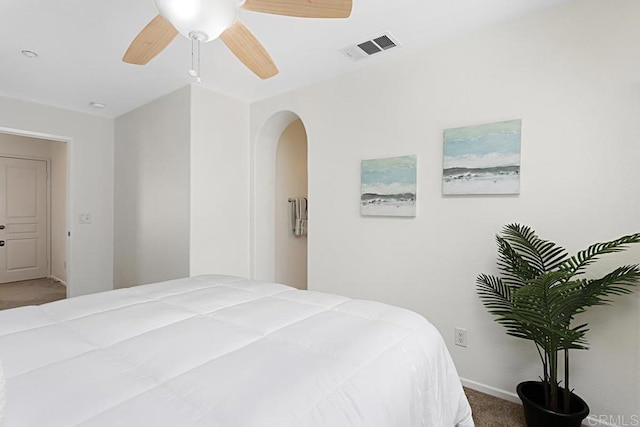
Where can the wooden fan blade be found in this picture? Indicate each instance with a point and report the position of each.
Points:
(249, 51)
(302, 8)
(151, 41)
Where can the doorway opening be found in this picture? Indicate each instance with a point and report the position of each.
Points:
(33, 220)
(263, 196)
(291, 207)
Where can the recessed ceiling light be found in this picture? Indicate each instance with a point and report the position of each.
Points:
(29, 54)
(98, 105)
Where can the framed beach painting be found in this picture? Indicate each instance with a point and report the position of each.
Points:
(483, 159)
(388, 186)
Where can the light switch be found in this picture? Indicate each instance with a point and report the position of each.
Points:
(85, 218)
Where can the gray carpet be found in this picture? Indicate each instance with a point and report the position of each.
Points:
(31, 292)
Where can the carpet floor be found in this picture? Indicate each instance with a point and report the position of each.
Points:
(31, 292)
(490, 411)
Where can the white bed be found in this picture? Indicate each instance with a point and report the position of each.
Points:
(223, 351)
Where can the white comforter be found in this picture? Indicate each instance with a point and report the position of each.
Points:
(223, 351)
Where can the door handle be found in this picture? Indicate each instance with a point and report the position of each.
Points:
(2, 227)
(1, 242)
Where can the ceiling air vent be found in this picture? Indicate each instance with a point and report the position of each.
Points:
(367, 48)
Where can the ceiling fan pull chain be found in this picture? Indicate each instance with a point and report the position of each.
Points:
(195, 57)
(198, 75)
(192, 70)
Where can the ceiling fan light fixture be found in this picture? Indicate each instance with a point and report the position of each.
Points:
(206, 18)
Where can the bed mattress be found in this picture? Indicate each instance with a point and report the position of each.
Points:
(224, 351)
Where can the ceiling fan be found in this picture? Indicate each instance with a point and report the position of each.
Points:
(206, 20)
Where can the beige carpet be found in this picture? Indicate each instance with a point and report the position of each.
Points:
(31, 292)
(489, 411)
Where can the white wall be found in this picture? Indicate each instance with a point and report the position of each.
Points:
(59, 210)
(571, 75)
(182, 188)
(90, 184)
(219, 240)
(152, 152)
(291, 181)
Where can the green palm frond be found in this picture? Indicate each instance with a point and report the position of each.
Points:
(494, 293)
(496, 297)
(579, 262)
(514, 268)
(541, 255)
(618, 282)
(543, 306)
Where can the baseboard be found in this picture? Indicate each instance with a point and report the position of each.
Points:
(590, 421)
(491, 391)
(57, 280)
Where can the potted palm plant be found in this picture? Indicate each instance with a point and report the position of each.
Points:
(536, 297)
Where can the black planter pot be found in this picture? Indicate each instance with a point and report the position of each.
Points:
(536, 415)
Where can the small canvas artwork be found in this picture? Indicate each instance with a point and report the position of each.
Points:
(483, 159)
(388, 186)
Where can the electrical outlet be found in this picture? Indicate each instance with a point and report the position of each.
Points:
(85, 218)
(461, 337)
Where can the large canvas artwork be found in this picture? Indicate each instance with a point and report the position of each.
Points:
(388, 186)
(482, 159)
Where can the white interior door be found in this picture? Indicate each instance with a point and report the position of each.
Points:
(23, 219)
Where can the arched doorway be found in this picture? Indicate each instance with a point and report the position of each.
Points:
(263, 193)
(291, 207)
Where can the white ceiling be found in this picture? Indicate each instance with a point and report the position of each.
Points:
(81, 42)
